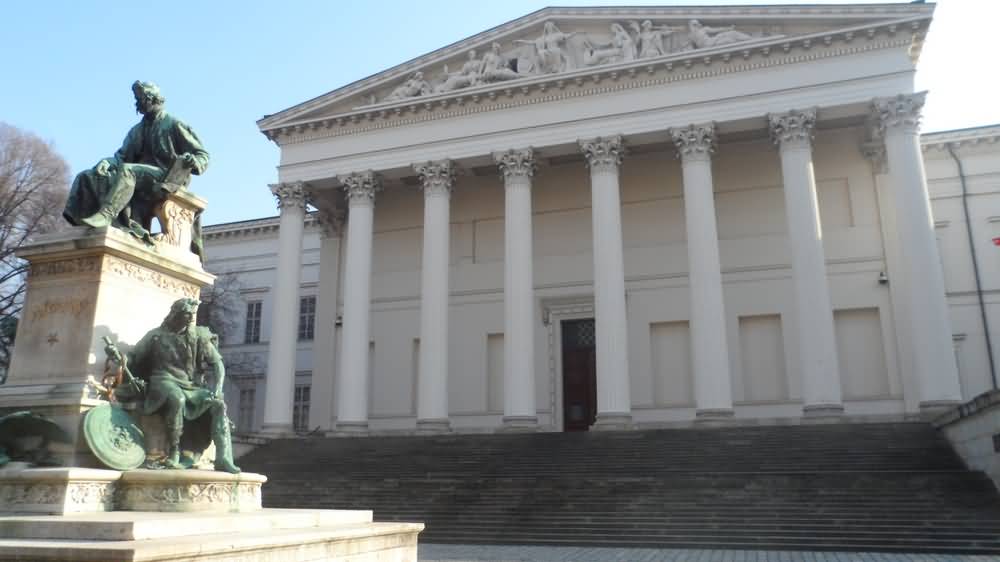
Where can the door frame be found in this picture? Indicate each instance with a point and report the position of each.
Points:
(554, 311)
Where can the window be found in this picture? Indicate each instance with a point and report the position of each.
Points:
(252, 334)
(300, 409)
(307, 317)
(247, 402)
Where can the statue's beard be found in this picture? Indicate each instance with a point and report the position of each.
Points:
(144, 106)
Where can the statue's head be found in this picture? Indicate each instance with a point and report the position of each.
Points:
(647, 25)
(694, 24)
(147, 97)
(182, 313)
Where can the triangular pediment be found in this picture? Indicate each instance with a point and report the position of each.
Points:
(570, 43)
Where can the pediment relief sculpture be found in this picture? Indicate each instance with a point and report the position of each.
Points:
(555, 51)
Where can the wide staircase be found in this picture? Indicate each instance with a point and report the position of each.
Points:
(856, 487)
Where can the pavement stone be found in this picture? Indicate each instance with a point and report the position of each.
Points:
(512, 553)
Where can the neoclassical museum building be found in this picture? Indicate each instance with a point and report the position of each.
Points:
(617, 217)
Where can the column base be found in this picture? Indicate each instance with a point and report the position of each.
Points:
(519, 424)
(931, 409)
(350, 429)
(613, 421)
(436, 426)
(822, 413)
(277, 430)
(713, 416)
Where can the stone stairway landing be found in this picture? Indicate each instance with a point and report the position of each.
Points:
(857, 487)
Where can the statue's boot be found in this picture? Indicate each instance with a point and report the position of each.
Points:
(121, 194)
(223, 445)
(174, 430)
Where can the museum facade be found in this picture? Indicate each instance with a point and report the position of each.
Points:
(621, 217)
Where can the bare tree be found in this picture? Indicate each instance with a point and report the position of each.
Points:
(221, 310)
(33, 188)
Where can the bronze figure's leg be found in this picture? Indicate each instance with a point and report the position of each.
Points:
(122, 186)
(173, 418)
(222, 438)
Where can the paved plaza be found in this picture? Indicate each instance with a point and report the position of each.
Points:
(504, 553)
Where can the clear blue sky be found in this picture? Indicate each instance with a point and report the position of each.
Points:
(68, 65)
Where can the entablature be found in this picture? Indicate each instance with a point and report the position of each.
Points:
(311, 121)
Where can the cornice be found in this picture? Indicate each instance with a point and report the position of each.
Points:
(691, 65)
(989, 134)
(248, 228)
(483, 39)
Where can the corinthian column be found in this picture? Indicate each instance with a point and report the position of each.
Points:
(281, 351)
(818, 365)
(517, 168)
(614, 402)
(352, 397)
(930, 323)
(432, 391)
(710, 354)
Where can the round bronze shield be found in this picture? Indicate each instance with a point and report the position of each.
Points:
(114, 437)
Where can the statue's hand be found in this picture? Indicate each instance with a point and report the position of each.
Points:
(102, 167)
(188, 160)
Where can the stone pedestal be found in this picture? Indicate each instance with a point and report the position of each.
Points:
(84, 284)
(83, 514)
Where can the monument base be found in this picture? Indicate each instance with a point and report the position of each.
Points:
(68, 514)
(284, 535)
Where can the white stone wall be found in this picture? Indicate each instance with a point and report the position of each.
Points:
(981, 162)
(756, 274)
(972, 430)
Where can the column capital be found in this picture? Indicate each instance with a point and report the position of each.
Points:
(437, 177)
(516, 162)
(793, 129)
(694, 141)
(899, 113)
(331, 221)
(603, 152)
(290, 195)
(874, 152)
(361, 186)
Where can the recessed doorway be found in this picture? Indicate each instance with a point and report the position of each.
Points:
(579, 366)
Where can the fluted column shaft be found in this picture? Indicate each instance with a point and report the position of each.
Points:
(710, 352)
(432, 390)
(322, 406)
(352, 396)
(930, 322)
(614, 402)
(517, 168)
(284, 313)
(818, 364)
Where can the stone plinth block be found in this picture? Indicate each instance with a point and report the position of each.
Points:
(84, 284)
(286, 535)
(57, 490)
(189, 490)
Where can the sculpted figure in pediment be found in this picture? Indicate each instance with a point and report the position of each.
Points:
(703, 36)
(468, 75)
(494, 67)
(650, 38)
(549, 54)
(414, 86)
(622, 48)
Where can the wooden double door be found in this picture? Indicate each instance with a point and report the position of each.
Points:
(579, 365)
